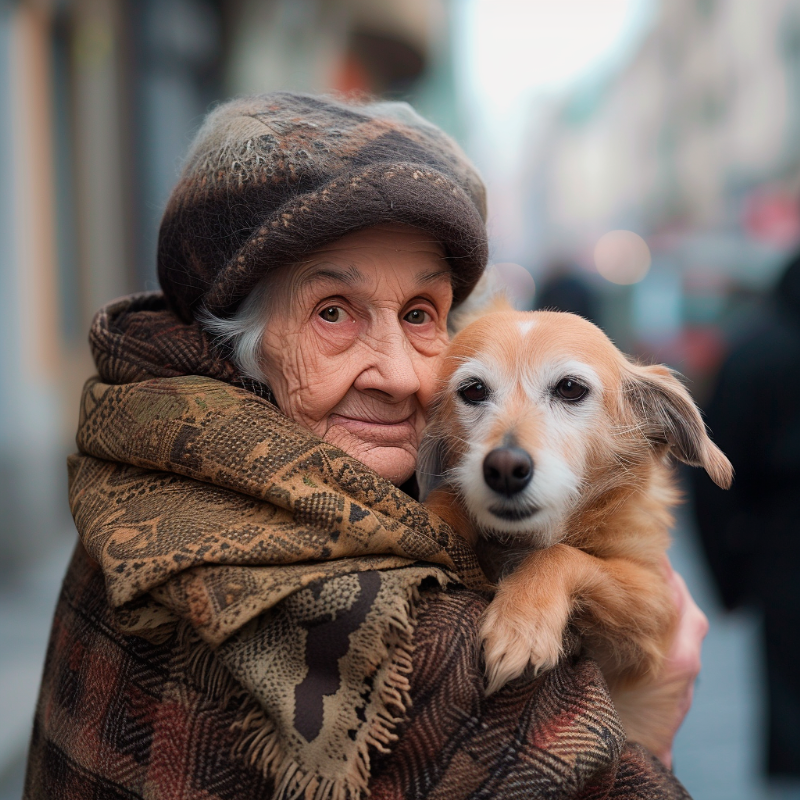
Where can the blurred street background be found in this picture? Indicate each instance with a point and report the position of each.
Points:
(643, 165)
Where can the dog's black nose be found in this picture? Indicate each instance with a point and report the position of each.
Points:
(507, 470)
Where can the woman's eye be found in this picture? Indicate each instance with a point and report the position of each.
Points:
(474, 392)
(417, 317)
(334, 314)
(570, 389)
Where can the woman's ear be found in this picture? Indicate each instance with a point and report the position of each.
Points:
(668, 416)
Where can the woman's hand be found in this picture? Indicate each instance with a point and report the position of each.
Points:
(683, 660)
(654, 711)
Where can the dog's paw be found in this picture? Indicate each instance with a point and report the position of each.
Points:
(513, 642)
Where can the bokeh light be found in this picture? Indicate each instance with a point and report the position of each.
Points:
(622, 257)
(516, 281)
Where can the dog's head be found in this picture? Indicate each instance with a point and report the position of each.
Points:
(539, 411)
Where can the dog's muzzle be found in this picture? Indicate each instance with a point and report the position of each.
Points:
(507, 470)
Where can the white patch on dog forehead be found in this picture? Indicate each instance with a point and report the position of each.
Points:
(525, 326)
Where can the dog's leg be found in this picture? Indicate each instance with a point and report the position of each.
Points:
(627, 619)
(524, 624)
(618, 599)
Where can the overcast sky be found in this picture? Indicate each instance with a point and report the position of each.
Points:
(514, 58)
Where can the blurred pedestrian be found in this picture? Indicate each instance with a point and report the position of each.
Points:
(751, 534)
(567, 291)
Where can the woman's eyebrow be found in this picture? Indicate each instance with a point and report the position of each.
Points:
(428, 277)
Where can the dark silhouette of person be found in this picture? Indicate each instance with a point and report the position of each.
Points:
(564, 291)
(751, 533)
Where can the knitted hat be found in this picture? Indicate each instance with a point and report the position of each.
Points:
(271, 178)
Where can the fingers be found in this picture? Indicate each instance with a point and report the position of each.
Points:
(684, 654)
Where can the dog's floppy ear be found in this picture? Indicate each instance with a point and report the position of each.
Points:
(669, 417)
(430, 465)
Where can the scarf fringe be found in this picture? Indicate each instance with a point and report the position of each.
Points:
(260, 740)
(201, 662)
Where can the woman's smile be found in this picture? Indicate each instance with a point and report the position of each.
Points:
(380, 431)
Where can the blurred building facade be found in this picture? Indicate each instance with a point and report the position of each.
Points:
(693, 145)
(99, 100)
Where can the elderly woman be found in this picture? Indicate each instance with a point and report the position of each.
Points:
(258, 607)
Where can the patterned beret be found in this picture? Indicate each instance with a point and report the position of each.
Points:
(273, 177)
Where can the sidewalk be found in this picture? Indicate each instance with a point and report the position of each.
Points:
(717, 753)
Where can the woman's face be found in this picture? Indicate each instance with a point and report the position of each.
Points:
(353, 339)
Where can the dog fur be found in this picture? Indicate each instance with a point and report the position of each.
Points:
(583, 545)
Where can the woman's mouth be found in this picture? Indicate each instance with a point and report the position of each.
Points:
(388, 432)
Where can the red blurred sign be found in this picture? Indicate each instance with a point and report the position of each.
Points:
(772, 216)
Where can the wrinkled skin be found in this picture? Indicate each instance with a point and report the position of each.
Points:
(353, 340)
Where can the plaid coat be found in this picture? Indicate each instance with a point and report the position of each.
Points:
(121, 717)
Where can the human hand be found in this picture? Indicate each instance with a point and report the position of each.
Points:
(653, 711)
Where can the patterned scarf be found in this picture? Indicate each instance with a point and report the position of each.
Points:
(298, 565)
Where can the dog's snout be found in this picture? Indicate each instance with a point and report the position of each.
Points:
(507, 470)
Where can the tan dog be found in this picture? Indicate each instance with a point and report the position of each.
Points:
(547, 449)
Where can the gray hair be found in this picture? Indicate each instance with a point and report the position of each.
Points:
(239, 337)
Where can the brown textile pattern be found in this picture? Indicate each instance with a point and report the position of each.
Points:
(555, 737)
(176, 474)
(137, 337)
(122, 717)
(271, 178)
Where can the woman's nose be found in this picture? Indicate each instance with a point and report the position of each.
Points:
(393, 369)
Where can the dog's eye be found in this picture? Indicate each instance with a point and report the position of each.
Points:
(474, 392)
(570, 389)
